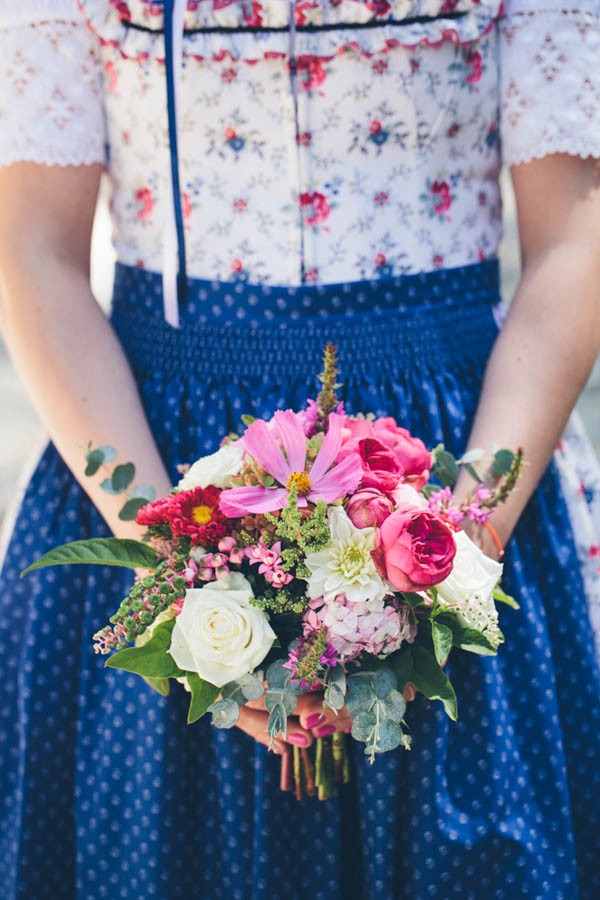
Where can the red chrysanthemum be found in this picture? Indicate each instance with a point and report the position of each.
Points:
(156, 513)
(196, 514)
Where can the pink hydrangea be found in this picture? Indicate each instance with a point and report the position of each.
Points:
(365, 627)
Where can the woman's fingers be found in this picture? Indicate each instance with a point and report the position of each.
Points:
(254, 722)
(322, 722)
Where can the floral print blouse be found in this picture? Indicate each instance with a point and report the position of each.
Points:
(376, 153)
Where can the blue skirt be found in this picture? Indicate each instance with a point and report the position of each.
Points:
(106, 792)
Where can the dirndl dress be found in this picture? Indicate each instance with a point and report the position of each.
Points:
(106, 792)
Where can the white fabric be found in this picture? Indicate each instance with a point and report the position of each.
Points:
(51, 107)
(550, 79)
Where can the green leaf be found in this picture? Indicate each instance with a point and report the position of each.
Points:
(429, 679)
(131, 508)
(203, 696)
(502, 597)
(151, 659)
(442, 640)
(94, 460)
(277, 721)
(502, 462)
(473, 472)
(224, 713)
(285, 699)
(361, 695)
(401, 663)
(158, 684)
(248, 420)
(99, 551)
(471, 456)
(123, 476)
(445, 467)
(107, 486)
(362, 725)
(108, 452)
(393, 706)
(384, 681)
(144, 491)
(389, 736)
(334, 697)
(466, 638)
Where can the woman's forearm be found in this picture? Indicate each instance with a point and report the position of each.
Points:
(75, 370)
(539, 365)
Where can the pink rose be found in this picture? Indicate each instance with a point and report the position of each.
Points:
(412, 454)
(381, 468)
(416, 549)
(369, 507)
(316, 207)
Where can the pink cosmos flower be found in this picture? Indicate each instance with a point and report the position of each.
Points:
(325, 480)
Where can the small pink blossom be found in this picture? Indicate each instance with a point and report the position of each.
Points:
(442, 197)
(316, 207)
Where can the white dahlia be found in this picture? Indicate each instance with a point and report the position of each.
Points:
(346, 565)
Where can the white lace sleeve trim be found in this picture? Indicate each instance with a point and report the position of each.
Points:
(29, 12)
(550, 80)
(51, 108)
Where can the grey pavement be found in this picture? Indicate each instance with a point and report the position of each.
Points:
(20, 427)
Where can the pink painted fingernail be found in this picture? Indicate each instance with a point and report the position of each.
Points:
(325, 730)
(315, 719)
(299, 739)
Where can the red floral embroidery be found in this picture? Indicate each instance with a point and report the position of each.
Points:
(311, 72)
(316, 207)
(442, 198)
(145, 201)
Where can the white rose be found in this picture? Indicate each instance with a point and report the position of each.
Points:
(218, 634)
(217, 469)
(473, 577)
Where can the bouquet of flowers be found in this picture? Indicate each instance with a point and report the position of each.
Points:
(316, 551)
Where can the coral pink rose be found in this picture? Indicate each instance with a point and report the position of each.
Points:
(412, 454)
(369, 507)
(381, 467)
(416, 549)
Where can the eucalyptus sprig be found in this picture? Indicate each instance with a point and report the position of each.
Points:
(119, 480)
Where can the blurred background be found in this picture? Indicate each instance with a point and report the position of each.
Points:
(21, 434)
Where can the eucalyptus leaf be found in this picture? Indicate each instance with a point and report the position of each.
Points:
(334, 697)
(430, 680)
(151, 659)
(393, 706)
(442, 637)
(248, 687)
(472, 456)
(502, 462)
(473, 473)
(363, 726)
(389, 736)
(277, 721)
(225, 713)
(361, 696)
(384, 681)
(144, 491)
(107, 486)
(131, 508)
(102, 551)
(278, 676)
(203, 696)
(94, 460)
(122, 477)
(285, 699)
(445, 467)
(108, 452)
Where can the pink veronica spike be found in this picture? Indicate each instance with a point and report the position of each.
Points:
(342, 479)
(329, 448)
(238, 502)
(293, 439)
(262, 445)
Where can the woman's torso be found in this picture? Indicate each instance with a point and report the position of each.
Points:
(381, 157)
